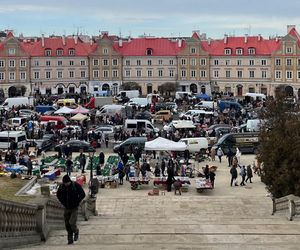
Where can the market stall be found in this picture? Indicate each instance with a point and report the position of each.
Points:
(203, 184)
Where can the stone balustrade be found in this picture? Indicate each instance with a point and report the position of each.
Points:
(290, 204)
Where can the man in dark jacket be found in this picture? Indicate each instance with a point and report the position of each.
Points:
(82, 161)
(70, 194)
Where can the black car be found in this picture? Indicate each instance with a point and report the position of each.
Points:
(131, 145)
(144, 115)
(43, 145)
(76, 146)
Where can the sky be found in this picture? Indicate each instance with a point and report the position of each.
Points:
(161, 18)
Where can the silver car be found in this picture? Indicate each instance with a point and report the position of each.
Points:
(106, 130)
(71, 129)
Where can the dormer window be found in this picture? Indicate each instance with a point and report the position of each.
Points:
(47, 52)
(239, 51)
(251, 51)
(193, 50)
(227, 51)
(71, 52)
(149, 52)
(59, 52)
(289, 50)
(11, 51)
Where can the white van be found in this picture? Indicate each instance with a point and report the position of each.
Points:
(182, 95)
(16, 122)
(6, 137)
(134, 124)
(196, 145)
(253, 125)
(138, 101)
(192, 112)
(206, 104)
(17, 101)
(127, 93)
(109, 110)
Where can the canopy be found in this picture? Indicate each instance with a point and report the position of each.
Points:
(64, 110)
(162, 144)
(80, 110)
(184, 124)
(203, 96)
(78, 117)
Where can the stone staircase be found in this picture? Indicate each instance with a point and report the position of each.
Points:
(197, 221)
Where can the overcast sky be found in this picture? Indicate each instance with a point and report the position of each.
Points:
(154, 17)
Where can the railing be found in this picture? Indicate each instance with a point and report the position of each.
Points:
(22, 223)
(290, 204)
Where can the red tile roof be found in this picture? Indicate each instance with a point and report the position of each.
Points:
(262, 47)
(159, 46)
(293, 32)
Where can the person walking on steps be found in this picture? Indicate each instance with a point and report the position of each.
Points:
(82, 161)
(249, 173)
(234, 174)
(220, 154)
(70, 194)
(243, 174)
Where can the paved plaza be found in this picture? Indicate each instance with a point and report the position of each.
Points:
(223, 218)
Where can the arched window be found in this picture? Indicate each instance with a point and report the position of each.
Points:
(149, 52)
(59, 52)
(48, 52)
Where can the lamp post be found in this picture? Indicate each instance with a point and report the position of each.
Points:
(92, 192)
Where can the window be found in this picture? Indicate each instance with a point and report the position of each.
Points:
(277, 62)
(171, 73)
(22, 75)
(2, 76)
(71, 52)
(239, 51)
(263, 62)
(105, 62)
(251, 73)
(138, 62)
(12, 76)
(193, 61)
(105, 74)
(149, 73)
(203, 62)
(36, 75)
(160, 73)
(2, 64)
(115, 62)
(289, 50)
(183, 73)
(12, 63)
(36, 63)
(23, 63)
(216, 62)
(263, 74)
(239, 74)
(289, 62)
(193, 50)
(48, 63)
(59, 52)
(203, 73)
(127, 73)
(183, 61)
(59, 63)
(11, 51)
(149, 52)
(127, 62)
(96, 62)
(227, 62)
(216, 73)
(71, 63)
(82, 74)
(149, 62)
(251, 62)
(278, 74)
(115, 73)
(105, 51)
(96, 73)
(71, 74)
(251, 51)
(227, 73)
(239, 62)
(82, 62)
(298, 74)
(289, 75)
(193, 73)
(48, 74)
(138, 73)
(298, 62)
(227, 51)
(48, 52)
(59, 74)
(160, 62)
(171, 62)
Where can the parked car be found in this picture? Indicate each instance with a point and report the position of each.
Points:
(76, 146)
(130, 145)
(107, 130)
(144, 116)
(70, 130)
(43, 145)
(26, 113)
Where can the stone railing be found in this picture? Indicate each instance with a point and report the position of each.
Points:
(22, 224)
(290, 204)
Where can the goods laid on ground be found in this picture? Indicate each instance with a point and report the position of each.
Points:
(137, 181)
(202, 184)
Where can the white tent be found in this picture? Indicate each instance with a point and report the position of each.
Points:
(79, 117)
(64, 110)
(184, 124)
(162, 144)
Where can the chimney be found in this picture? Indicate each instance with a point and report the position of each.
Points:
(246, 38)
(225, 38)
(35, 39)
(290, 27)
(276, 39)
(43, 41)
(64, 40)
(120, 42)
(179, 43)
(259, 37)
(75, 39)
(91, 41)
(209, 41)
